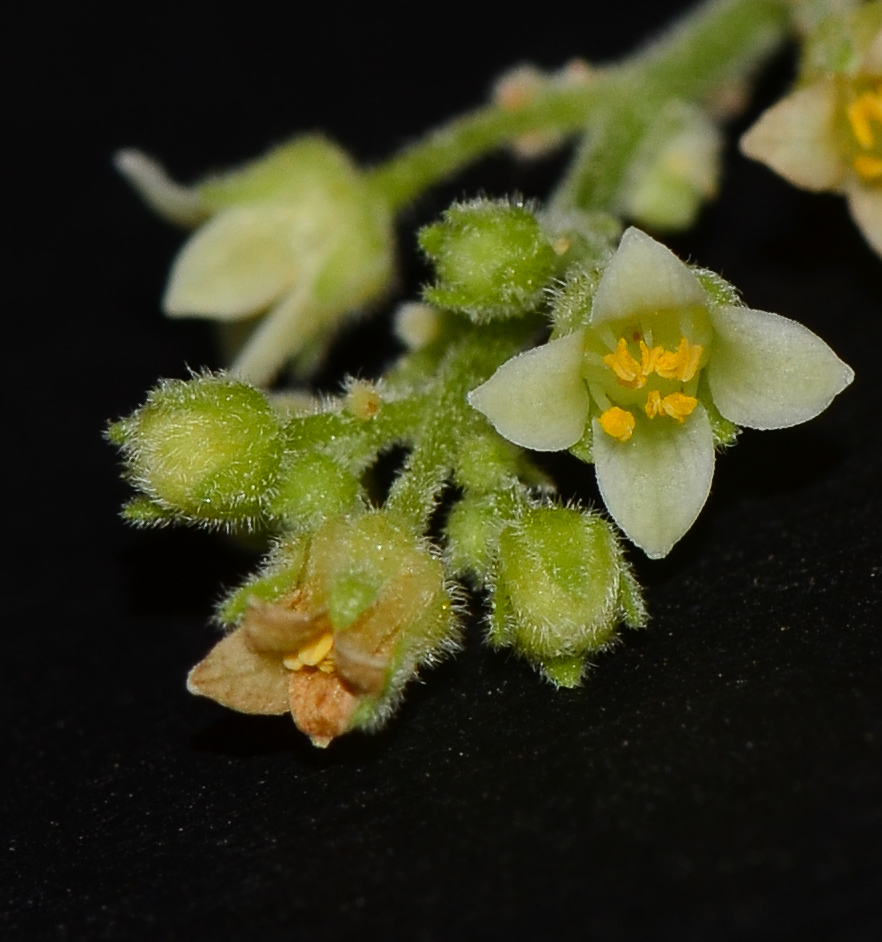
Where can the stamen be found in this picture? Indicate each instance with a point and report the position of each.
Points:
(619, 423)
(678, 405)
(869, 168)
(675, 405)
(626, 368)
(859, 119)
(681, 364)
(653, 404)
(649, 358)
(862, 112)
(314, 654)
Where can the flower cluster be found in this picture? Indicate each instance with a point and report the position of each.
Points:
(660, 351)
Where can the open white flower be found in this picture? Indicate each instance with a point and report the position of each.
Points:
(297, 234)
(656, 342)
(827, 135)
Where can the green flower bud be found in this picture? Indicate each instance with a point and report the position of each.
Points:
(207, 449)
(677, 169)
(492, 258)
(333, 628)
(312, 488)
(562, 588)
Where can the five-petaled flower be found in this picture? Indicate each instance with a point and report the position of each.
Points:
(827, 135)
(657, 345)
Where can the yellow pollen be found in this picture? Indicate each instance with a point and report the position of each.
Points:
(676, 405)
(681, 364)
(649, 358)
(619, 423)
(868, 167)
(862, 112)
(315, 654)
(626, 368)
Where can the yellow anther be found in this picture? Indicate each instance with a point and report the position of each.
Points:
(649, 358)
(680, 364)
(675, 405)
(626, 368)
(619, 423)
(862, 112)
(869, 168)
(314, 654)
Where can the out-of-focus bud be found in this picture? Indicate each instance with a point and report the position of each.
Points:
(334, 628)
(677, 169)
(207, 450)
(562, 589)
(492, 259)
(298, 234)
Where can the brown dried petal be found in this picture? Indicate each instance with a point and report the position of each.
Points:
(363, 672)
(242, 679)
(274, 627)
(322, 706)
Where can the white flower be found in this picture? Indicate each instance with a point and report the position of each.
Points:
(827, 135)
(656, 343)
(297, 234)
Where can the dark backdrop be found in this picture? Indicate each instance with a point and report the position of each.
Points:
(717, 777)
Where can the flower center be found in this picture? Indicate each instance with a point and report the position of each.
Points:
(659, 381)
(864, 114)
(317, 653)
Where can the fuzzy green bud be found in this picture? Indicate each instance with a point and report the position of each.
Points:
(314, 487)
(562, 588)
(206, 449)
(492, 259)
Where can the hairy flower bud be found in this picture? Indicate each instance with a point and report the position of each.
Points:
(206, 449)
(492, 258)
(562, 588)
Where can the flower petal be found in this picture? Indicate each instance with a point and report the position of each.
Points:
(179, 204)
(321, 704)
(285, 330)
(538, 399)
(237, 677)
(655, 484)
(767, 371)
(865, 204)
(237, 264)
(796, 138)
(643, 276)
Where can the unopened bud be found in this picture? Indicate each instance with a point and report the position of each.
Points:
(209, 448)
(562, 589)
(492, 258)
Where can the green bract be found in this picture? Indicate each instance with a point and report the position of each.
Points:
(653, 344)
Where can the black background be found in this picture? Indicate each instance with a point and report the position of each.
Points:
(717, 777)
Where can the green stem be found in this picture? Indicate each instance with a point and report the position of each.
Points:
(467, 364)
(468, 137)
(718, 41)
